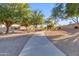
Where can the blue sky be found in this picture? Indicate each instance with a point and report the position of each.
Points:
(46, 10)
(44, 7)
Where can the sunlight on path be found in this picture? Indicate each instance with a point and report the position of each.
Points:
(39, 45)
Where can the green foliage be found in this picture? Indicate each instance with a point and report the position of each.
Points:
(25, 22)
(19, 13)
(50, 24)
(37, 18)
(66, 11)
(41, 28)
(30, 28)
(12, 13)
(57, 11)
(72, 9)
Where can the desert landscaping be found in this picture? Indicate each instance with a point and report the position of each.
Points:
(25, 30)
(66, 40)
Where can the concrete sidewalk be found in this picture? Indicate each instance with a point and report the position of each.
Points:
(39, 45)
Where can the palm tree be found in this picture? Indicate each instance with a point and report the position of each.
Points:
(37, 18)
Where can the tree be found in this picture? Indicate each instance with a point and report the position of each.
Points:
(57, 11)
(6, 15)
(50, 23)
(12, 13)
(72, 12)
(26, 22)
(37, 18)
(67, 11)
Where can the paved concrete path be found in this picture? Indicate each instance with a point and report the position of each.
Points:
(39, 45)
(12, 46)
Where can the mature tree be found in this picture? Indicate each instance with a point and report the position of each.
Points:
(11, 13)
(24, 14)
(57, 12)
(37, 18)
(26, 21)
(67, 11)
(72, 12)
(6, 15)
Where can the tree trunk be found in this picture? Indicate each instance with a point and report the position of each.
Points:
(8, 23)
(7, 30)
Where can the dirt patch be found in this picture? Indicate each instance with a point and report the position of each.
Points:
(68, 41)
(56, 34)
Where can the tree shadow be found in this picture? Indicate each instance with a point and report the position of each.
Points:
(12, 46)
(69, 44)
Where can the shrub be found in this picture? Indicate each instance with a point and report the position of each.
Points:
(1, 32)
(76, 27)
(59, 28)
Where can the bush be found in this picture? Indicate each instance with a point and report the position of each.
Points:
(76, 27)
(49, 27)
(30, 28)
(59, 28)
(1, 32)
(41, 28)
